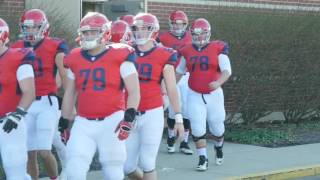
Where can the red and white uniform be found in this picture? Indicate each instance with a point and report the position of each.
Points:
(205, 66)
(44, 64)
(42, 117)
(177, 43)
(98, 82)
(14, 67)
(144, 140)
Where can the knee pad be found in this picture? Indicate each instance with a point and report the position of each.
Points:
(113, 172)
(77, 168)
(13, 156)
(217, 138)
(148, 165)
(186, 124)
(171, 123)
(195, 139)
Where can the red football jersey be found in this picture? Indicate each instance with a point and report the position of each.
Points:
(10, 92)
(150, 66)
(203, 64)
(44, 64)
(172, 41)
(98, 80)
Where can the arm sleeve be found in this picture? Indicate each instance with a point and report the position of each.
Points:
(182, 68)
(224, 63)
(126, 69)
(24, 71)
(173, 59)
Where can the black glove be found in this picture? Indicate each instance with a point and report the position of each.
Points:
(63, 124)
(12, 120)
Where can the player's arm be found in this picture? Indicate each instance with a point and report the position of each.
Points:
(225, 68)
(130, 77)
(25, 77)
(131, 81)
(170, 81)
(69, 96)
(62, 51)
(181, 69)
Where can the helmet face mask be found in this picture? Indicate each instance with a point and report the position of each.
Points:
(200, 32)
(4, 33)
(94, 31)
(34, 25)
(178, 22)
(178, 28)
(145, 28)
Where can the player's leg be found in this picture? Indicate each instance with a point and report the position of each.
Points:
(112, 151)
(14, 153)
(171, 134)
(197, 113)
(131, 168)
(46, 128)
(150, 134)
(183, 87)
(81, 148)
(216, 117)
(30, 120)
(60, 148)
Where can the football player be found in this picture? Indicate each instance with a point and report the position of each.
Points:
(17, 91)
(42, 116)
(153, 63)
(97, 76)
(176, 38)
(209, 67)
(121, 32)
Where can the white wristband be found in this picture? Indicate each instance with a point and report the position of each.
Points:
(178, 118)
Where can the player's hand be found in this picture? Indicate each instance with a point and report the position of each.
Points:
(12, 120)
(65, 135)
(125, 126)
(63, 124)
(214, 85)
(124, 129)
(178, 127)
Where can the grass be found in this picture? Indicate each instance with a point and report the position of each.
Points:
(272, 135)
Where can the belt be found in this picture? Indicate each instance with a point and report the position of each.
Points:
(96, 119)
(49, 95)
(140, 113)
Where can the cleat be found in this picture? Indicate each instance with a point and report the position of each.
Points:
(170, 144)
(184, 148)
(203, 163)
(219, 155)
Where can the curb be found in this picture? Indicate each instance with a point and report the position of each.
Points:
(297, 172)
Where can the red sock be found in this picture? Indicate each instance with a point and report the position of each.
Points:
(54, 178)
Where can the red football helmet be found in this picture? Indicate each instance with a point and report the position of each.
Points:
(120, 32)
(34, 25)
(94, 30)
(201, 32)
(4, 32)
(127, 18)
(145, 27)
(178, 22)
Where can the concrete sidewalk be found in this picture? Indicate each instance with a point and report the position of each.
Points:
(240, 162)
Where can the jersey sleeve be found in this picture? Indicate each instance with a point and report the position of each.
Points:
(63, 47)
(28, 58)
(223, 47)
(131, 56)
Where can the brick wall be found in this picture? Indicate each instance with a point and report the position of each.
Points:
(10, 11)
(198, 8)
